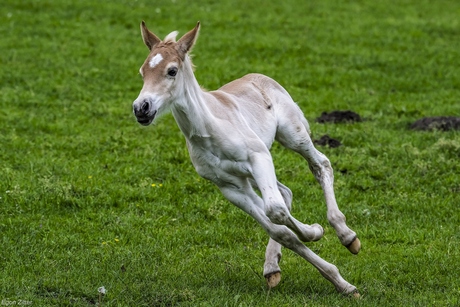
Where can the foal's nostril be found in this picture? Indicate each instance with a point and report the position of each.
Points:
(145, 107)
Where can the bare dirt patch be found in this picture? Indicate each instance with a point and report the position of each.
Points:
(335, 116)
(339, 117)
(443, 123)
(326, 140)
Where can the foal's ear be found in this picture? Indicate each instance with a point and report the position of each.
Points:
(187, 41)
(150, 39)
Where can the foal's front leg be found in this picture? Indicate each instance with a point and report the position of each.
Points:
(275, 207)
(272, 271)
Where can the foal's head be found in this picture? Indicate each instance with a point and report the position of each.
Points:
(163, 73)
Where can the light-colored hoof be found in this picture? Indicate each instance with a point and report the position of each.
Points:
(273, 279)
(319, 232)
(356, 295)
(355, 246)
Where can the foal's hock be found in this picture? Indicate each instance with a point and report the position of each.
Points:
(229, 133)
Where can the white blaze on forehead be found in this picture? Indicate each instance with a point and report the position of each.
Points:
(155, 60)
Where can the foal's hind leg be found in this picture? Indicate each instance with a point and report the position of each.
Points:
(321, 168)
(295, 135)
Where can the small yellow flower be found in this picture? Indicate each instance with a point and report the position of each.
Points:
(89, 177)
(153, 185)
(160, 185)
(117, 240)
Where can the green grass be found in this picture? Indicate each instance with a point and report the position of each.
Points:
(78, 209)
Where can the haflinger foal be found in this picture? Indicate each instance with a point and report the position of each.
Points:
(229, 133)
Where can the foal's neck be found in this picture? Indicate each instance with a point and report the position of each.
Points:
(189, 109)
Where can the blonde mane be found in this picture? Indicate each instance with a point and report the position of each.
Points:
(171, 37)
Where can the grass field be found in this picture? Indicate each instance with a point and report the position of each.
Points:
(89, 198)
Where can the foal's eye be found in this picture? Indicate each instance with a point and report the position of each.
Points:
(172, 72)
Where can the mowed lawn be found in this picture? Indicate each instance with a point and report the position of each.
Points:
(90, 199)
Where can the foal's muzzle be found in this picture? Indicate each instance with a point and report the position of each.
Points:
(143, 113)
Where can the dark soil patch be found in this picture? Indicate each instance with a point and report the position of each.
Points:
(443, 123)
(339, 117)
(326, 140)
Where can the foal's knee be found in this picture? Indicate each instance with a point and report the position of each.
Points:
(277, 213)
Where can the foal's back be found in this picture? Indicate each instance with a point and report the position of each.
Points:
(262, 102)
(256, 89)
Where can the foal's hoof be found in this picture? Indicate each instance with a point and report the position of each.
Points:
(355, 246)
(273, 279)
(351, 292)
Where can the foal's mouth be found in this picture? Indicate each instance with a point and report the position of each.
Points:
(145, 121)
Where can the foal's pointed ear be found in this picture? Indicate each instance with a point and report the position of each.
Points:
(187, 41)
(150, 39)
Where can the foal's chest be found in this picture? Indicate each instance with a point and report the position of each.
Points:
(216, 162)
